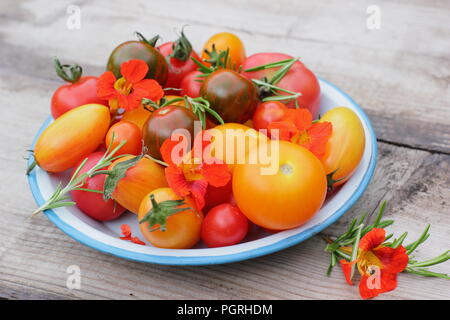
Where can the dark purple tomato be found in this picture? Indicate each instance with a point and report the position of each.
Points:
(231, 95)
(162, 123)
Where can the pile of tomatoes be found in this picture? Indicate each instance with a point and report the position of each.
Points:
(149, 92)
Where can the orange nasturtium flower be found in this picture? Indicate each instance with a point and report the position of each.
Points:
(297, 126)
(128, 91)
(189, 173)
(378, 264)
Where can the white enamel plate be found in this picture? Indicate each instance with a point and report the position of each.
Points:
(104, 236)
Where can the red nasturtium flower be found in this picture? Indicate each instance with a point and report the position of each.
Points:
(127, 92)
(375, 257)
(126, 231)
(297, 126)
(189, 173)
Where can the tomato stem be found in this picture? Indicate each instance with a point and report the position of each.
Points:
(75, 71)
(181, 48)
(151, 42)
(158, 214)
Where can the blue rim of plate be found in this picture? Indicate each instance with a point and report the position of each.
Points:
(221, 259)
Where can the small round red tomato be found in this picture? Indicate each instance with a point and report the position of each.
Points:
(217, 195)
(268, 112)
(92, 203)
(298, 79)
(164, 225)
(231, 95)
(190, 85)
(124, 130)
(162, 123)
(77, 92)
(141, 50)
(178, 55)
(224, 225)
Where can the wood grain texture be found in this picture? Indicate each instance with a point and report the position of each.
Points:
(399, 74)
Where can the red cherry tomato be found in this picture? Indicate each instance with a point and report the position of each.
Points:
(298, 79)
(224, 225)
(190, 85)
(218, 195)
(92, 203)
(268, 112)
(178, 54)
(72, 95)
(124, 130)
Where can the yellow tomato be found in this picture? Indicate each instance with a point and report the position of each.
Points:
(182, 229)
(225, 40)
(137, 116)
(346, 145)
(231, 143)
(71, 137)
(283, 194)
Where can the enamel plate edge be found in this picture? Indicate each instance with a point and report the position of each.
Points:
(93, 235)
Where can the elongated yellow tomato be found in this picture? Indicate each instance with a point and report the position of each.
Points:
(144, 177)
(71, 137)
(345, 147)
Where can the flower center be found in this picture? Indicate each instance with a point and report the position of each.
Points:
(366, 261)
(123, 86)
(191, 171)
(301, 137)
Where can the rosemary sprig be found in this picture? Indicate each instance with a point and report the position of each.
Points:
(267, 89)
(60, 197)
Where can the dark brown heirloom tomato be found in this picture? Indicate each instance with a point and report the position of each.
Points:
(231, 95)
(157, 64)
(162, 123)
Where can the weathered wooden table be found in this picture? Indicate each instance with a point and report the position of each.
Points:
(399, 74)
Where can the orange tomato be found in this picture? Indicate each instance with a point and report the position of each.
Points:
(139, 180)
(182, 229)
(285, 197)
(225, 40)
(124, 130)
(346, 145)
(137, 116)
(72, 137)
(231, 142)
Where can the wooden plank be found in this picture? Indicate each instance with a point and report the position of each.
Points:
(404, 89)
(299, 270)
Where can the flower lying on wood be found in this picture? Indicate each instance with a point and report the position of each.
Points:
(128, 91)
(297, 126)
(126, 231)
(378, 261)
